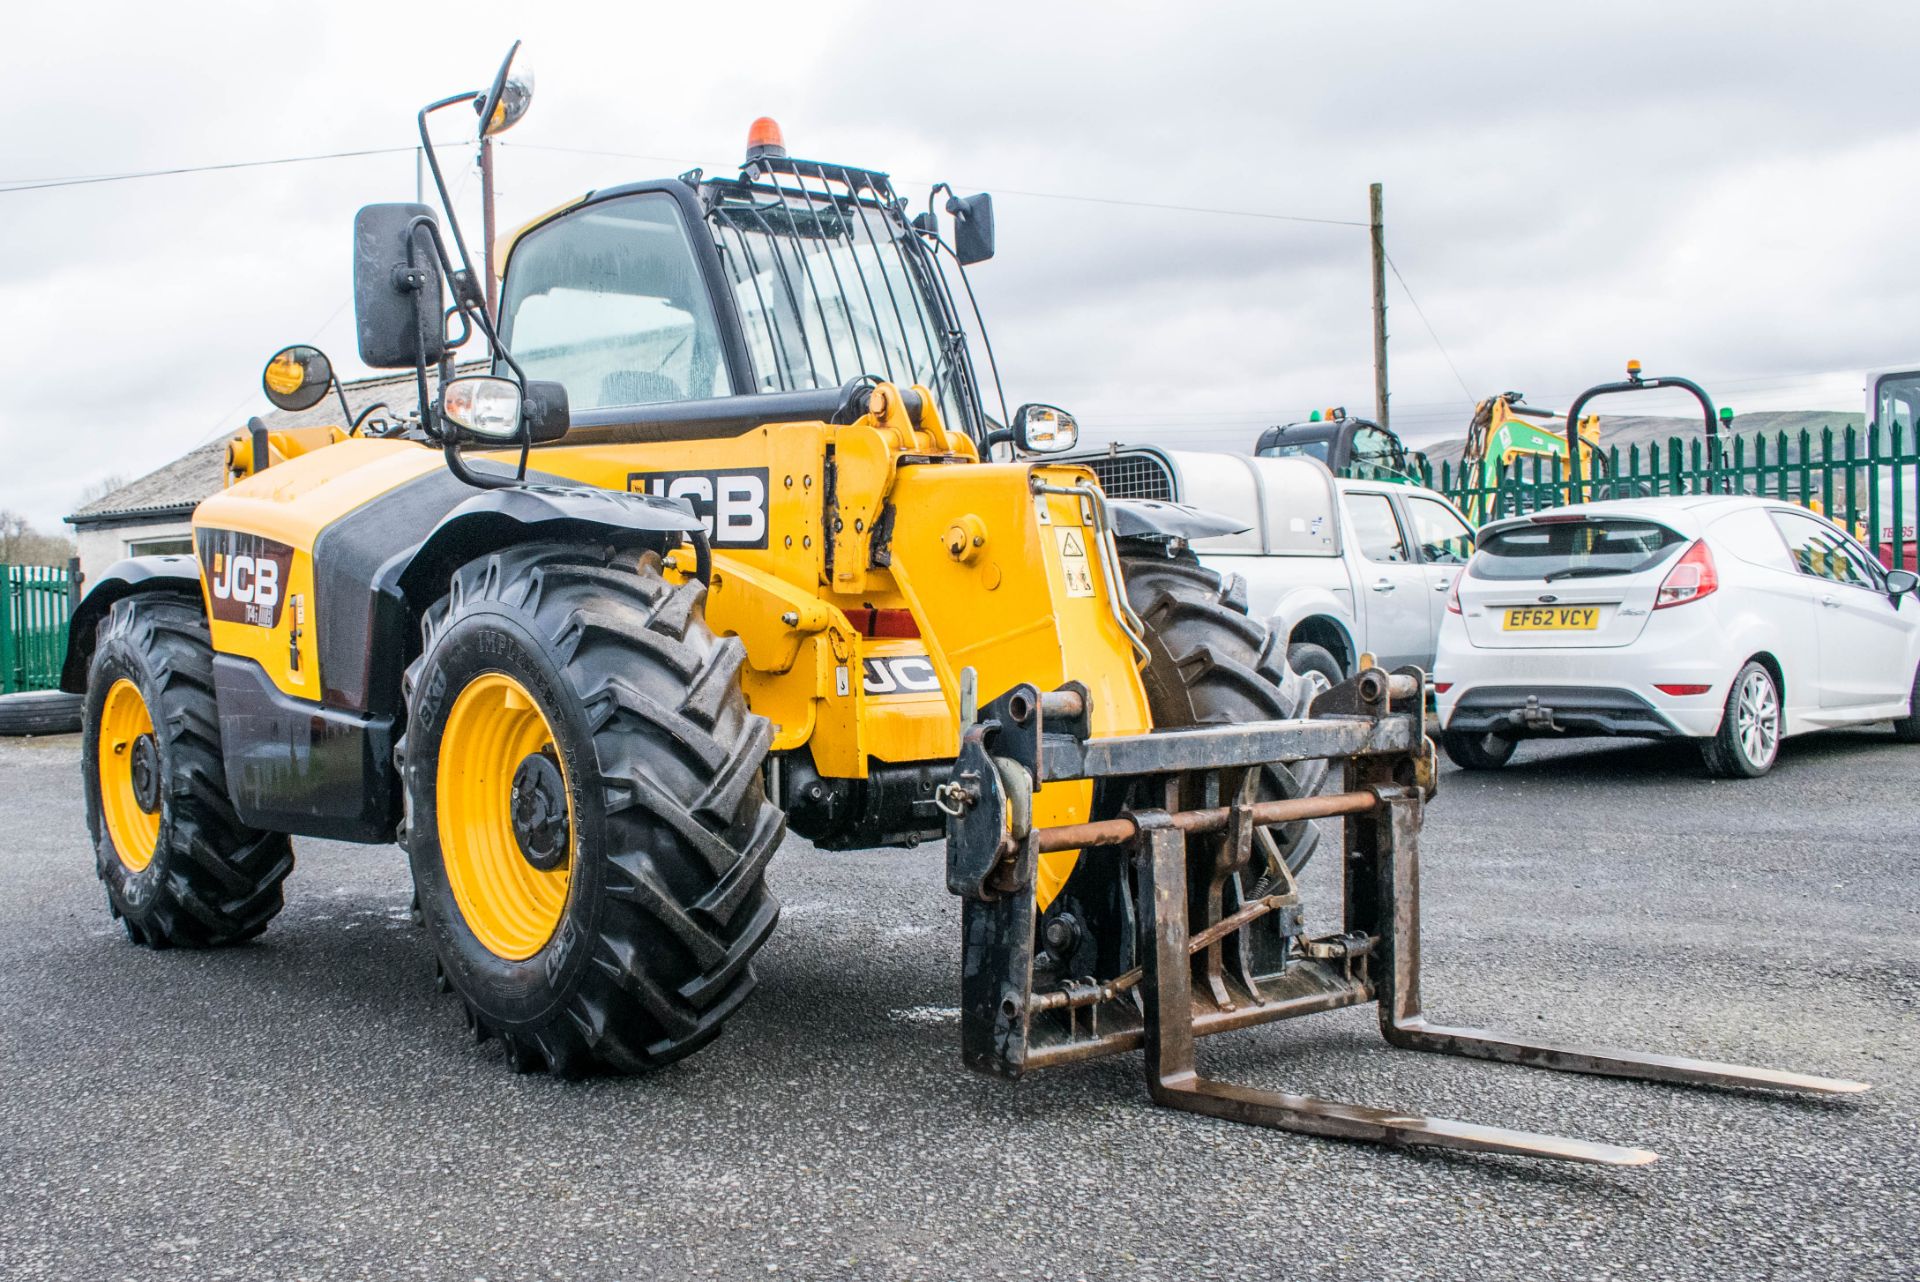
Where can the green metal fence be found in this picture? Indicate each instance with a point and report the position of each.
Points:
(1865, 480)
(33, 626)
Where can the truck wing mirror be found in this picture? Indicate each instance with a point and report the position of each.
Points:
(396, 287)
(972, 227)
(1044, 429)
(297, 377)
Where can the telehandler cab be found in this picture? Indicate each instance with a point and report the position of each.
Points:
(714, 549)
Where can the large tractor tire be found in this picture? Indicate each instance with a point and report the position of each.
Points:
(1212, 665)
(179, 866)
(39, 712)
(586, 819)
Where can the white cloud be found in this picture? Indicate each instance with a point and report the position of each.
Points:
(1719, 189)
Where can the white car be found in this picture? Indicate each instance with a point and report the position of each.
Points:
(1733, 621)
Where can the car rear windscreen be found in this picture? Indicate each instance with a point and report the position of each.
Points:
(1573, 549)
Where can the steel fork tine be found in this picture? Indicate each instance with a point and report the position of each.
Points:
(1606, 1061)
(1174, 1081)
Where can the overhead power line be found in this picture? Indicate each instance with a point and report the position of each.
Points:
(83, 180)
(78, 180)
(995, 188)
(1421, 313)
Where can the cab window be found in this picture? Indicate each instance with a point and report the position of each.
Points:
(1896, 400)
(1819, 550)
(1444, 538)
(1376, 456)
(611, 302)
(1376, 529)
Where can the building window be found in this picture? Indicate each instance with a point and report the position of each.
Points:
(171, 545)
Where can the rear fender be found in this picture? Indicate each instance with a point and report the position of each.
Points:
(178, 575)
(1315, 608)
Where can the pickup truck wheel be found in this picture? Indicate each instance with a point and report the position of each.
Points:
(1305, 656)
(1213, 665)
(1477, 751)
(1907, 729)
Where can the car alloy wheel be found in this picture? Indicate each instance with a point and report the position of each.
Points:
(1757, 718)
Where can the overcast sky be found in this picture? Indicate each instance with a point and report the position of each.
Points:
(1722, 190)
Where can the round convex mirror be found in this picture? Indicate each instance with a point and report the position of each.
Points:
(297, 377)
(507, 99)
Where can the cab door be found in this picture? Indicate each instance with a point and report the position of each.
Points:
(1391, 584)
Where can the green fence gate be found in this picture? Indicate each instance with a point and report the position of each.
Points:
(1867, 481)
(33, 626)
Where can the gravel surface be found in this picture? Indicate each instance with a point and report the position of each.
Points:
(307, 1107)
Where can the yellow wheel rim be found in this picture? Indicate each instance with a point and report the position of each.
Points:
(511, 907)
(129, 773)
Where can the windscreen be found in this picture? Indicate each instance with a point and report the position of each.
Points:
(610, 302)
(1573, 549)
(1297, 449)
(830, 287)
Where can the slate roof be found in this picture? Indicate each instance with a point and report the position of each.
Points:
(173, 491)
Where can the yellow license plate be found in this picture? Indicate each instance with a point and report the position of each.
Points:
(1553, 618)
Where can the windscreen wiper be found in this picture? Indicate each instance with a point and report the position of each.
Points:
(1582, 572)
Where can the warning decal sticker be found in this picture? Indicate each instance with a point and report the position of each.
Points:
(1073, 559)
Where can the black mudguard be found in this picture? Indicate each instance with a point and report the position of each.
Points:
(179, 574)
(378, 568)
(492, 519)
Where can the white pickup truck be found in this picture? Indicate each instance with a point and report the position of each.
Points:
(1340, 568)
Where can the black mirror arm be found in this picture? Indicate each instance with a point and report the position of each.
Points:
(472, 317)
(958, 338)
(439, 180)
(353, 423)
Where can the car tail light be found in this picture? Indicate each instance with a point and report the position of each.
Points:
(1691, 578)
(1453, 595)
(1681, 689)
(1441, 687)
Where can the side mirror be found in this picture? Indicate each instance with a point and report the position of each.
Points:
(507, 99)
(1899, 583)
(1044, 429)
(297, 377)
(396, 288)
(972, 228)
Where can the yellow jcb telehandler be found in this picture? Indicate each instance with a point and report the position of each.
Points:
(723, 542)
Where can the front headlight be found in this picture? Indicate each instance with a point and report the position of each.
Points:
(486, 407)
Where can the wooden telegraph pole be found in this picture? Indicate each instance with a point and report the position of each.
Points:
(1379, 306)
(487, 228)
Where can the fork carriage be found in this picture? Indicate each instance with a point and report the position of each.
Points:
(1211, 954)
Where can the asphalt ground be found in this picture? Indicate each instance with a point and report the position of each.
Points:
(308, 1107)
